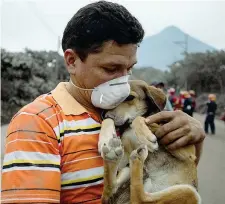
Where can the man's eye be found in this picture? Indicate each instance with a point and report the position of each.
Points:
(110, 70)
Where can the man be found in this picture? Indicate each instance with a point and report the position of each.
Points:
(51, 144)
(193, 99)
(180, 102)
(210, 115)
(172, 98)
(187, 107)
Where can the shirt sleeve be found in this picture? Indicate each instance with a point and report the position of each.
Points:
(31, 166)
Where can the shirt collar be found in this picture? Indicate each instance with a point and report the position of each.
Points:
(64, 99)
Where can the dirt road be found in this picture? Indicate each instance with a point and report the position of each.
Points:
(212, 166)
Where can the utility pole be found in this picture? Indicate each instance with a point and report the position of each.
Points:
(33, 7)
(56, 64)
(184, 45)
(58, 44)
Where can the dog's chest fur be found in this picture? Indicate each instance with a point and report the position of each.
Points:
(161, 169)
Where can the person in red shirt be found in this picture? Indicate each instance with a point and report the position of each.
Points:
(178, 105)
(172, 97)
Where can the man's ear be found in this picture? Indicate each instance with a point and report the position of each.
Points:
(156, 96)
(71, 60)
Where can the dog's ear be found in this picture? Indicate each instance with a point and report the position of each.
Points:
(156, 97)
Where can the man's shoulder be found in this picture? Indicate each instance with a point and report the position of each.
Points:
(44, 104)
(36, 117)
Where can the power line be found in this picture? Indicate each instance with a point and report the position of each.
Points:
(33, 7)
(184, 45)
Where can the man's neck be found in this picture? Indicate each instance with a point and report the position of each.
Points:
(83, 97)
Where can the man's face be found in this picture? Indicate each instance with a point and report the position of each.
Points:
(114, 61)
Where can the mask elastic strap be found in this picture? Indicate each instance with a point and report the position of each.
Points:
(80, 87)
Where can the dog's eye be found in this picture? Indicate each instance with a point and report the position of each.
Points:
(129, 98)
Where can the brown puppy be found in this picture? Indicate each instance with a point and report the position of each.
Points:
(142, 171)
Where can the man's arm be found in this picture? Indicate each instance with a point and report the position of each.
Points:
(31, 167)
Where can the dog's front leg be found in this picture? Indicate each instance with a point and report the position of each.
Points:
(144, 134)
(112, 152)
(137, 159)
(106, 133)
(186, 153)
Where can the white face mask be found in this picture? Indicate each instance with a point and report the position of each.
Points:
(109, 94)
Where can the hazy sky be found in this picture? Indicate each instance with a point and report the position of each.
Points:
(37, 24)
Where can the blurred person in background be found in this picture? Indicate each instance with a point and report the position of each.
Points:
(223, 116)
(172, 97)
(210, 114)
(193, 99)
(187, 106)
(181, 99)
(161, 86)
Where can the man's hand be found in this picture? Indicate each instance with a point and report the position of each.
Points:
(179, 130)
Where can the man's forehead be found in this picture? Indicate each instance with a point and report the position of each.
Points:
(111, 47)
(112, 53)
(118, 60)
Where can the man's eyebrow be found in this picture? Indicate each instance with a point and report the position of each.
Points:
(118, 64)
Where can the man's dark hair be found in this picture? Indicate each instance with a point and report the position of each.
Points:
(100, 22)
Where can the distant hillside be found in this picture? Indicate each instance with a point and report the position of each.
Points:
(160, 50)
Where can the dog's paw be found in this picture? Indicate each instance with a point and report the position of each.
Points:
(113, 150)
(140, 153)
(144, 134)
(152, 143)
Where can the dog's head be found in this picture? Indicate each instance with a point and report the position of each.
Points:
(143, 100)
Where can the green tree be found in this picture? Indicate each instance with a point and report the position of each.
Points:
(203, 72)
(26, 75)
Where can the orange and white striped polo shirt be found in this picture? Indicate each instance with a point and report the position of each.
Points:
(52, 153)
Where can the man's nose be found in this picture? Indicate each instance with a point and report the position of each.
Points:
(123, 72)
